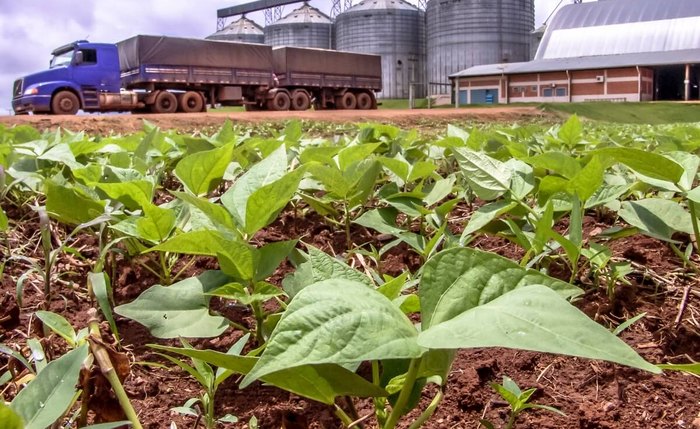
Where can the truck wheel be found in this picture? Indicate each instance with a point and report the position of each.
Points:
(190, 102)
(165, 102)
(347, 101)
(65, 103)
(300, 100)
(364, 101)
(280, 101)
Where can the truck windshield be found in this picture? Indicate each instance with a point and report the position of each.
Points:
(61, 59)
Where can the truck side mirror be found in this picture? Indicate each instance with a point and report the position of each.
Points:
(78, 58)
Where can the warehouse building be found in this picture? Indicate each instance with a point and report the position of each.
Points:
(611, 50)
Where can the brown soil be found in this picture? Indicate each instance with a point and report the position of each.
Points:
(592, 394)
(109, 124)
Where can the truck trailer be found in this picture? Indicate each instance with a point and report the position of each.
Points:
(161, 74)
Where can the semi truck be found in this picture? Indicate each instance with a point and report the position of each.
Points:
(161, 74)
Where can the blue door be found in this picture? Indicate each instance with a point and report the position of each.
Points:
(484, 96)
(462, 97)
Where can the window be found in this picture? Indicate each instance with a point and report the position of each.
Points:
(561, 91)
(89, 56)
(533, 88)
(547, 92)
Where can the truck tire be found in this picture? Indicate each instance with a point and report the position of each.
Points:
(280, 101)
(364, 101)
(347, 101)
(165, 102)
(190, 102)
(65, 103)
(300, 100)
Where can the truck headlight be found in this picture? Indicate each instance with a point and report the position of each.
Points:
(31, 91)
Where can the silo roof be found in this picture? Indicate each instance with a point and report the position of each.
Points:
(617, 27)
(365, 5)
(305, 14)
(240, 26)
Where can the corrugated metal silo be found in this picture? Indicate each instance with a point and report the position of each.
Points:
(394, 29)
(241, 30)
(305, 27)
(465, 33)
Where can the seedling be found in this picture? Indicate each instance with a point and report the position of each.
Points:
(518, 401)
(210, 378)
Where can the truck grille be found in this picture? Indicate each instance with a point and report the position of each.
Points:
(17, 88)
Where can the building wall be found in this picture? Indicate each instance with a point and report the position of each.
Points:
(620, 84)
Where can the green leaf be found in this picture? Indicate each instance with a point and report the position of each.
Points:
(532, 318)
(690, 368)
(179, 310)
(99, 284)
(321, 383)
(659, 218)
(588, 180)
(215, 212)
(557, 162)
(337, 321)
(489, 178)
(4, 223)
(70, 205)
(134, 195)
(571, 133)
(262, 292)
(271, 256)
(647, 163)
(10, 419)
(354, 154)
(457, 280)
(111, 425)
(201, 172)
(487, 213)
(48, 396)
(205, 243)
(265, 203)
(58, 324)
(259, 175)
(321, 266)
(156, 225)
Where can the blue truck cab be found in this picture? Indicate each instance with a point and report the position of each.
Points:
(77, 74)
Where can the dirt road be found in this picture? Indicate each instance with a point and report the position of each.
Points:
(123, 123)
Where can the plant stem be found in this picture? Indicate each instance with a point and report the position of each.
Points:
(398, 409)
(347, 421)
(164, 268)
(694, 218)
(511, 420)
(379, 403)
(428, 412)
(347, 226)
(104, 362)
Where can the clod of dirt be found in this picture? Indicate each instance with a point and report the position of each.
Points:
(9, 313)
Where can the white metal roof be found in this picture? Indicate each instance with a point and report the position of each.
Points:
(621, 27)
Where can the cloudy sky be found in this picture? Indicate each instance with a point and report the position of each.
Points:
(31, 29)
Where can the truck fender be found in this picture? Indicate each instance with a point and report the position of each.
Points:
(150, 98)
(271, 93)
(51, 88)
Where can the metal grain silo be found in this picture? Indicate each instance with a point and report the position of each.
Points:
(394, 29)
(241, 30)
(465, 33)
(305, 27)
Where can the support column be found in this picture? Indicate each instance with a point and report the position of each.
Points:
(456, 92)
(686, 96)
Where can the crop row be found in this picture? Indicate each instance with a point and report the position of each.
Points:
(162, 200)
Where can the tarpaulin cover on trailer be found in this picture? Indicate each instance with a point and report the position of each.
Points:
(309, 60)
(176, 51)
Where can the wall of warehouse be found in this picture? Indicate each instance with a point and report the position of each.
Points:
(618, 84)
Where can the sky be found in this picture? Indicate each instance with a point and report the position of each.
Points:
(31, 29)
